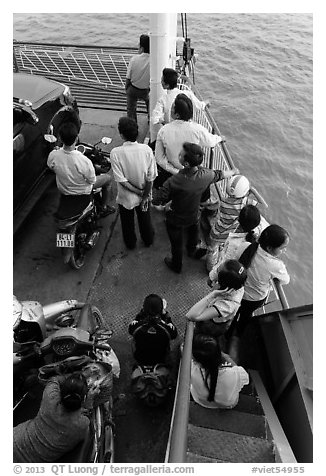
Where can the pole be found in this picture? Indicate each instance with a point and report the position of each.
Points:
(163, 28)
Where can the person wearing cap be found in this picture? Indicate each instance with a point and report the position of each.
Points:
(225, 220)
(185, 190)
(59, 425)
(214, 313)
(138, 77)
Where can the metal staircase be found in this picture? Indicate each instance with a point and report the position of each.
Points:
(249, 433)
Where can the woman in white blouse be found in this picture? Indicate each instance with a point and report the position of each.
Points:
(215, 379)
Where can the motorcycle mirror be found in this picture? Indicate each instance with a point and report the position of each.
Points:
(106, 140)
(50, 138)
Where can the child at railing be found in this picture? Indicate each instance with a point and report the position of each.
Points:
(213, 314)
(261, 259)
(216, 380)
(224, 220)
(250, 225)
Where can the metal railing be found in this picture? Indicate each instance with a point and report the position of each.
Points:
(217, 157)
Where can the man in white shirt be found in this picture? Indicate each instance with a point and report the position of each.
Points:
(75, 173)
(134, 170)
(173, 135)
(162, 111)
(137, 78)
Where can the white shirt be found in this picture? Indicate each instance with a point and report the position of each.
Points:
(226, 303)
(138, 71)
(75, 174)
(162, 110)
(232, 243)
(230, 381)
(264, 267)
(171, 138)
(132, 162)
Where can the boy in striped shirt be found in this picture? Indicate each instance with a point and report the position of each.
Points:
(225, 221)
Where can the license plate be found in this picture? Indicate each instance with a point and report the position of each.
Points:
(65, 240)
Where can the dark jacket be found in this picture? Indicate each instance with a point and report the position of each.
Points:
(152, 337)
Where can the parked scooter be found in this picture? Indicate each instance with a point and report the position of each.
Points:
(78, 215)
(32, 323)
(74, 342)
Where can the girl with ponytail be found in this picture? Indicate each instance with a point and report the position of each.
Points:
(246, 231)
(263, 264)
(215, 380)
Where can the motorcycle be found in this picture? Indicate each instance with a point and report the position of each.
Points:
(70, 336)
(32, 323)
(78, 215)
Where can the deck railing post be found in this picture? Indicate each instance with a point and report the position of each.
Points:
(15, 59)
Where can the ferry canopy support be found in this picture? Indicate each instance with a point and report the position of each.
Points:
(163, 35)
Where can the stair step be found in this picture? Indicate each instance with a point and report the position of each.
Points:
(193, 458)
(228, 446)
(249, 404)
(228, 420)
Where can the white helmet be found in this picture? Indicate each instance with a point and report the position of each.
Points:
(238, 186)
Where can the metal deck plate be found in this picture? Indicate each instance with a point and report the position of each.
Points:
(127, 277)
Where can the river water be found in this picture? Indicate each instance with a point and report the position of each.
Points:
(256, 71)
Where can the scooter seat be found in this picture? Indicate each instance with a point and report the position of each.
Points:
(72, 206)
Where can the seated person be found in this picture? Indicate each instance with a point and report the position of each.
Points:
(152, 331)
(215, 379)
(75, 173)
(59, 425)
(214, 313)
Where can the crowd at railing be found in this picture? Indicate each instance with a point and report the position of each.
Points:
(218, 158)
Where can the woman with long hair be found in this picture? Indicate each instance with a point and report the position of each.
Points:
(263, 264)
(215, 379)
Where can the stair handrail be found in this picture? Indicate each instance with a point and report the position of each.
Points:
(177, 442)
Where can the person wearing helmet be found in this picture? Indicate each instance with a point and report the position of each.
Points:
(225, 220)
(59, 425)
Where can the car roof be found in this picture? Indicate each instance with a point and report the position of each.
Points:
(35, 89)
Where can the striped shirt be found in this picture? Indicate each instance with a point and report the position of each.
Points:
(226, 219)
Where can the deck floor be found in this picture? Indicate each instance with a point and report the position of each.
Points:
(116, 280)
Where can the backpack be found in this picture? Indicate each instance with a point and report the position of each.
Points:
(151, 384)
